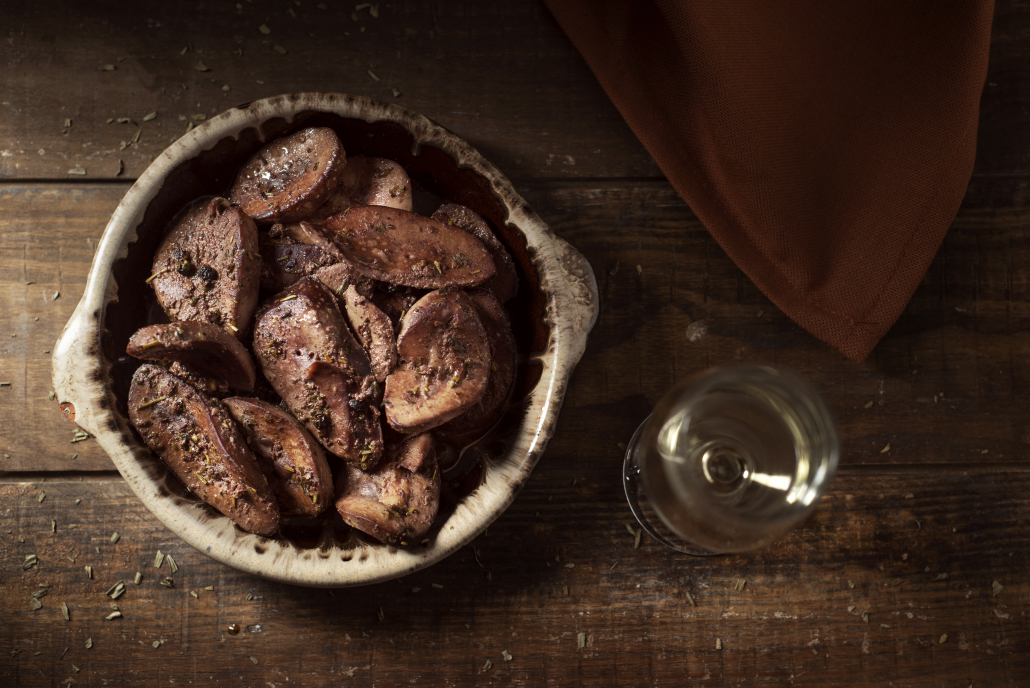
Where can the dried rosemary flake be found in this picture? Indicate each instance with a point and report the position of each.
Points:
(886, 449)
(437, 585)
(89, 572)
(249, 597)
(35, 604)
(210, 588)
(629, 529)
(40, 497)
(851, 586)
(50, 395)
(690, 598)
(107, 68)
(89, 643)
(194, 593)
(887, 626)
(373, 75)
(77, 170)
(740, 584)
(996, 588)
(15, 653)
(201, 67)
(149, 116)
(30, 561)
(279, 49)
(264, 29)
(636, 538)
(113, 615)
(156, 644)
(944, 638)
(581, 640)
(65, 611)
(565, 590)
(171, 564)
(615, 269)
(7, 384)
(159, 559)
(138, 579)
(57, 293)
(153, 401)
(135, 137)
(76, 669)
(488, 665)
(507, 657)
(865, 617)
(291, 297)
(77, 501)
(718, 643)
(570, 566)
(253, 659)
(869, 405)
(115, 537)
(396, 93)
(168, 583)
(382, 616)
(225, 87)
(53, 526)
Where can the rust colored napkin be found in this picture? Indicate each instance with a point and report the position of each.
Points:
(825, 145)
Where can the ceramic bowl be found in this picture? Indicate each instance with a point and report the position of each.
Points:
(551, 316)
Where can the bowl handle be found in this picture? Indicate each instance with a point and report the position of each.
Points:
(576, 297)
(76, 368)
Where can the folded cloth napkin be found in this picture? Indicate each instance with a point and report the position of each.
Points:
(825, 145)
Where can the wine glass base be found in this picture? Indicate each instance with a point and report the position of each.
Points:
(641, 506)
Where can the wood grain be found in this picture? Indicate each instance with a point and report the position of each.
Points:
(501, 75)
(922, 551)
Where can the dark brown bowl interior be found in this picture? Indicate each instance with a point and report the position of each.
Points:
(435, 176)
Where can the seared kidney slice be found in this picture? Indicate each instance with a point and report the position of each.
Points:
(339, 276)
(398, 501)
(480, 417)
(445, 363)
(404, 248)
(374, 329)
(394, 301)
(368, 181)
(200, 443)
(293, 461)
(285, 262)
(505, 282)
(207, 349)
(207, 268)
(299, 328)
(291, 177)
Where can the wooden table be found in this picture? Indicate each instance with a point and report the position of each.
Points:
(912, 572)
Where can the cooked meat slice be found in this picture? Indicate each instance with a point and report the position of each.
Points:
(339, 276)
(284, 263)
(208, 386)
(505, 282)
(307, 233)
(210, 350)
(398, 501)
(352, 406)
(374, 330)
(471, 425)
(293, 461)
(445, 363)
(207, 268)
(298, 328)
(394, 301)
(291, 177)
(200, 443)
(368, 181)
(403, 248)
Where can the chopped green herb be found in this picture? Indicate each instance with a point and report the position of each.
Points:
(581, 640)
(156, 644)
(194, 593)
(30, 559)
(89, 572)
(65, 611)
(996, 588)
(115, 537)
(718, 643)
(488, 665)
(171, 564)
(690, 598)
(89, 643)
(149, 116)
(253, 659)
(159, 559)
(40, 497)
(35, 604)
(944, 638)
(113, 615)
(168, 582)
(507, 657)
(139, 578)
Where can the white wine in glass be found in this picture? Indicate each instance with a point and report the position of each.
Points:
(731, 460)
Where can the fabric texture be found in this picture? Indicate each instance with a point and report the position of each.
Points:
(825, 145)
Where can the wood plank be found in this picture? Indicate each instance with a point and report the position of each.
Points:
(501, 75)
(965, 333)
(921, 549)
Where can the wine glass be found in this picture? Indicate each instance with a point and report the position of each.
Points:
(731, 460)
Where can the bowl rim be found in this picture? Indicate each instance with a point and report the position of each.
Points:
(81, 374)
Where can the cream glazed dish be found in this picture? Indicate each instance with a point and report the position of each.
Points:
(135, 405)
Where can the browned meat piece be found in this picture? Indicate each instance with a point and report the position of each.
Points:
(403, 248)
(339, 276)
(291, 177)
(210, 350)
(299, 328)
(445, 363)
(368, 181)
(207, 268)
(293, 461)
(200, 443)
(209, 386)
(283, 263)
(471, 425)
(505, 282)
(394, 301)
(374, 329)
(398, 501)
